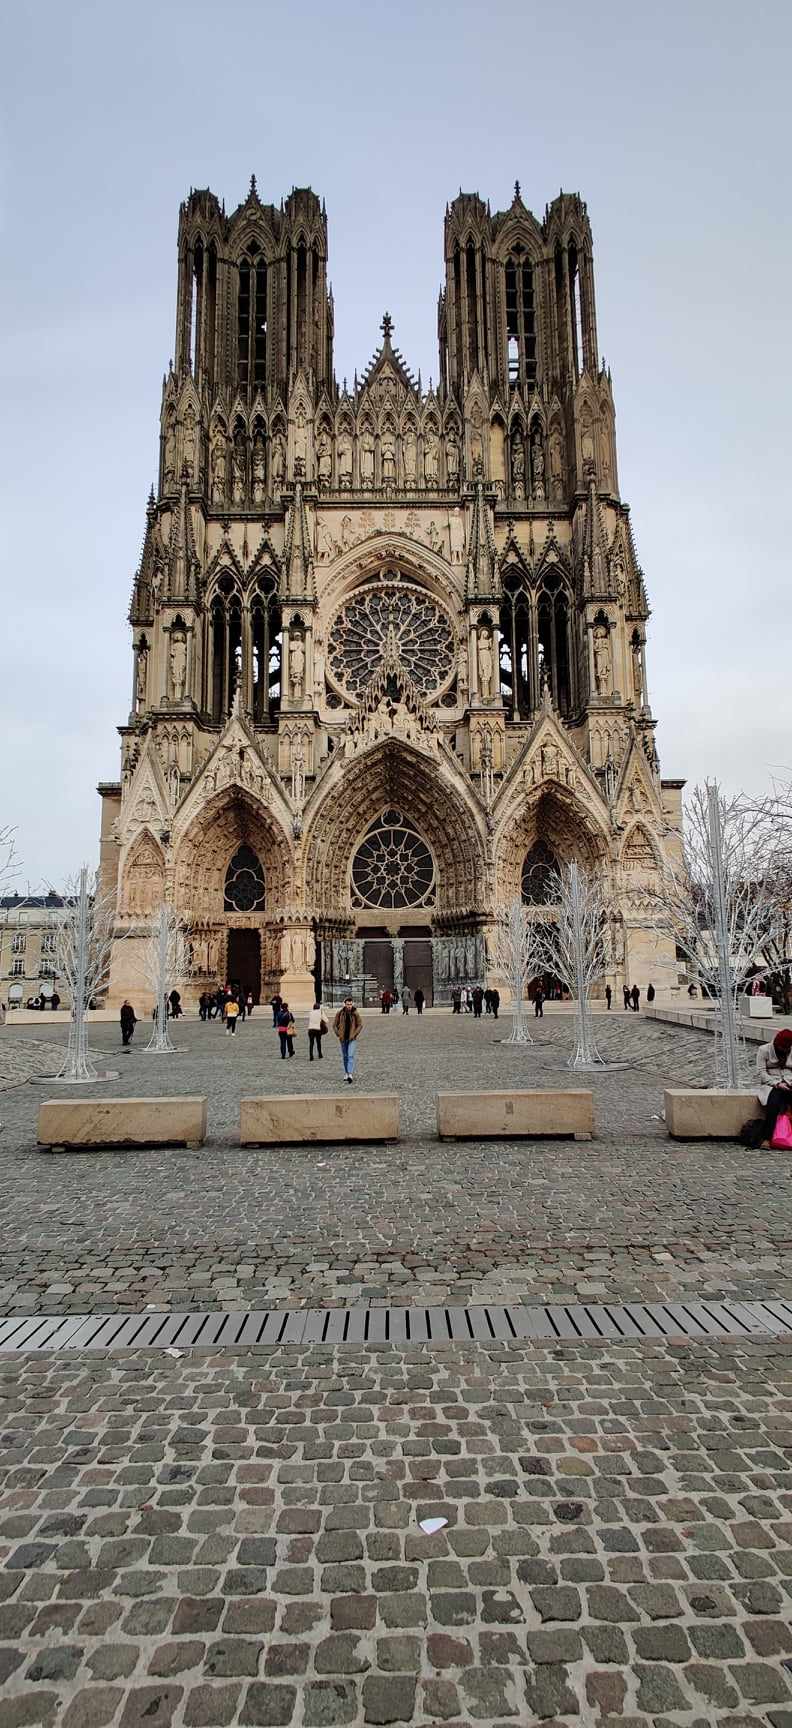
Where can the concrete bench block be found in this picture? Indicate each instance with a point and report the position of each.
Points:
(512, 1115)
(99, 1123)
(710, 1114)
(305, 1118)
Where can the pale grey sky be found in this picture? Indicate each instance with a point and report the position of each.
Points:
(671, 121)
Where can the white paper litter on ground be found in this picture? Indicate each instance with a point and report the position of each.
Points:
(172, 1352)
(430, 1526)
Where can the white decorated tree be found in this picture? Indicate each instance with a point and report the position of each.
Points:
(516, 959)
(573, 946)
(9, 863)
(84, 928)
(725, 904)
(165, 967)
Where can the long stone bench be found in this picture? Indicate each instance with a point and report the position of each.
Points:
(97, 1124)
(512, 1115)
(709, 1114)
(305, 1118)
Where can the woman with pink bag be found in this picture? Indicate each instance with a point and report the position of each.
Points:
(774, 1072)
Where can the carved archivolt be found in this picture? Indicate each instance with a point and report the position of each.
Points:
(226, 823)
(561, 825)
(393, 775)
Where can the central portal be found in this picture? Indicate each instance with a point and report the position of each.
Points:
(244, 961)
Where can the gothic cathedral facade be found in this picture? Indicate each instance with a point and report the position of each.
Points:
(389, 643)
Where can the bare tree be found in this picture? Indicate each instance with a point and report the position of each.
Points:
(572, 945)
(9, 862)
(724, 904)
(85, 927)
(164, 967)
(516, 958)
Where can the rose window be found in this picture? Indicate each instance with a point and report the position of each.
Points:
(245, 889)
(396, 613)
(393, 866)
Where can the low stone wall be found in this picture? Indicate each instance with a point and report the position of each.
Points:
(97, 1124)
(307, 1119)
(492, 1115)
(709, 1114)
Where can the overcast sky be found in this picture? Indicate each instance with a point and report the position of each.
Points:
(671, 121)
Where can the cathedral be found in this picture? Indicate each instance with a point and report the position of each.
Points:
(389, 642)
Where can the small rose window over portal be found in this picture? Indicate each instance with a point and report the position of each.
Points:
(393, 866)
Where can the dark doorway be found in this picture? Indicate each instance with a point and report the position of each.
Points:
(377, 964)
(418, 966)
(244, 961)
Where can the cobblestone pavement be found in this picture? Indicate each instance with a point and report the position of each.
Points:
(23, 1058)
(628, 1215)
(236, 1539)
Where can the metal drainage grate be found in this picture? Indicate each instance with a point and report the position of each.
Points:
(569, 1323)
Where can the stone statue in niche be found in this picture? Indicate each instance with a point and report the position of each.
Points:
(300, 438)
(169, 455)
(486, 664)
(367, 460)
(430, 458)
(278, 461)
(518, 466)
(637, 674)
(388, 459)
(258, 468)
(238, 468)
(296, 667)
(189, 444)
(324, 459)
(298, 773)
(218, 466)
(587, 445)
(487, 776)
(345, 460)
(556, 466)
(325, 544)
(140, 677)
(452, 456)
(410, 454)
(537, 465)
(603, 677)
(178, 665)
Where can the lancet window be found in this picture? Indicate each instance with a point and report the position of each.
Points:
(252, 318)
(536, 647)
(244, 650)
(521, 319)
(538, 875)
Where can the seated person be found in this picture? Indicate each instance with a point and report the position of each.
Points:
(774, 1073)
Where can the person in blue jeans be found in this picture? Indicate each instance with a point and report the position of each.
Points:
(348, 1026)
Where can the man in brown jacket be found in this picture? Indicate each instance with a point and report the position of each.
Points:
(348, 1026)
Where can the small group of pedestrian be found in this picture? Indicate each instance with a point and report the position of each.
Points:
(492, 1002)
(632, 998)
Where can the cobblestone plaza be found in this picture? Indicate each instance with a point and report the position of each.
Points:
(234, 1535)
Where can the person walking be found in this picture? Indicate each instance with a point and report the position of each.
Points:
(539, 1004)
(478, 1001)
(456, 1000)
(626, 995)
(495, 1002)
(419, 1001)
(276, 1003)
(487, 1001)
(231, 1012)
(285, 1024)
(317, 1027)
(406, 999)
(175, 1004)
(385, 1002)
(128, 1023)
(635, 996)
(249, 1003)
(650, 994)
(348, 1025)
(608, 996)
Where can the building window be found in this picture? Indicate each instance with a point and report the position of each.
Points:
(244, 883)
(46, 969)
(521, 319)
(252, 319)
(48, 942)
(18, 942)
(17, 968)
(393, 865)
